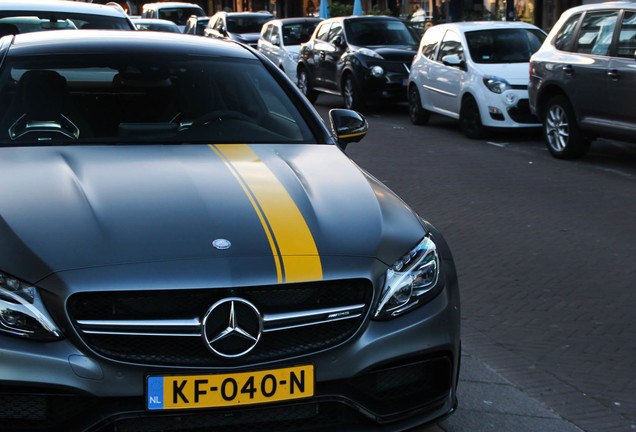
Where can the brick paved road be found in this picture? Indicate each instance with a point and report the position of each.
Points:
(545, 250)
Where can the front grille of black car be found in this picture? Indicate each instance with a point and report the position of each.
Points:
(164, 327)
(521, 113)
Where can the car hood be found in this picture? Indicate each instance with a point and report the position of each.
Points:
(514, 73)
(396, 53)
(246, 37)
(78, 207)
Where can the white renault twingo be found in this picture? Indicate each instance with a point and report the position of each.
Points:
(476, 72)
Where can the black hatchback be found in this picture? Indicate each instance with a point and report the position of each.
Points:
(365, 59)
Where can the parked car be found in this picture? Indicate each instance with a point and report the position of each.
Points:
(365, 59)
(281, 39)
(583, 79)
(242, 27)
(184, 245)
(154, 24)
(476, 72)
(196, 25)
(176, 12)
(37, 15)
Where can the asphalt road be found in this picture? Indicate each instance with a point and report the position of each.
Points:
(545, 250)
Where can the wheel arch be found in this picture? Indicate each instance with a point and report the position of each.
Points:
(546, 94)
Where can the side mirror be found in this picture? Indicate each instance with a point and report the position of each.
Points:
(275, 40)
(348, 126)
(339, 41)
(454, 60)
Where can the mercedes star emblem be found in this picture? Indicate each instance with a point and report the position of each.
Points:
(232, 327)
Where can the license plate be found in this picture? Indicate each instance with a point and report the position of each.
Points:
(222, 390)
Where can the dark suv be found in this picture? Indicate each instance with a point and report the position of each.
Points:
(583, 79)
(362, 58)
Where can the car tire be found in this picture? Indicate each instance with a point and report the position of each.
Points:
(305, 86)
(418, 115)
(470, 119)
(560, 130)
(352, 94)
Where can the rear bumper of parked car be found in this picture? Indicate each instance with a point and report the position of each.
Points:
(391, 376)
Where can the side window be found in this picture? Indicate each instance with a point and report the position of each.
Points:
(626, 46)
(451, 44)
(334, 32)
(596, 33)
(267, 33)
(563, 39)
(430, 43)
(218, 25)
(275, 34)
(323, 31)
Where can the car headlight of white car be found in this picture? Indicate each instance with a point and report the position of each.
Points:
(22, 312)
(409, 279)
(496, 84)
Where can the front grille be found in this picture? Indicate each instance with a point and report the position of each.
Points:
(521, 113)
(165, 327)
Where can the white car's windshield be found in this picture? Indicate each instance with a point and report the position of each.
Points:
(504, 45)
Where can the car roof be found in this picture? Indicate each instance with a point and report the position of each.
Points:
(170, 5)
(113, 42)
(486, 25)
(602, 6)
(61, 6)
(294, 20)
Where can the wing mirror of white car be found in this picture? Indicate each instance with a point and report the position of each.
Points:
(275, 40)
(454, 60)
(348, 126)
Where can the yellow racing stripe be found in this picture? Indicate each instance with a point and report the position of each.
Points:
(290, 238)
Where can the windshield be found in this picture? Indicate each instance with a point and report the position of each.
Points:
(179, 15)
(26, 22)
(379, 32)
(127, 99)
(295, 34)
(247, 24)
(504, 45)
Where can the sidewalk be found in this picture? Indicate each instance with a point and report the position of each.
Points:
(490, 403)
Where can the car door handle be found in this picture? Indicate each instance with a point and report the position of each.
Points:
(613, 74)
(568, 69)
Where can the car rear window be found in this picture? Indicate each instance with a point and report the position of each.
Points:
(295, 34)
(251, 24)
(30, 21)
(504, 45)
(125, 99)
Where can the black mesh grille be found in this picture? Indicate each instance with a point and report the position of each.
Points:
(522, 114)
(186, 304)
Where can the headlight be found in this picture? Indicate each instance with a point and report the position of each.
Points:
(22, 312)
(496, 84)
(409, 279)
(369, 53)
(377, 71)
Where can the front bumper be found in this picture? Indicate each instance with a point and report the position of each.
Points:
(392, 375)
(509, 109)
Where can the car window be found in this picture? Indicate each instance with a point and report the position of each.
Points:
(37, 21)
(596, 32)
(626, 46)
(379, 32)
(218, 25)
(179, 15)
(334, 32)
(295, 34)
(127, 99)
(266, 33)
(503, 45)
(451, 44)
(323, 31)
(275, 33)
(430, 42)
(245, 24)
(563, 39)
